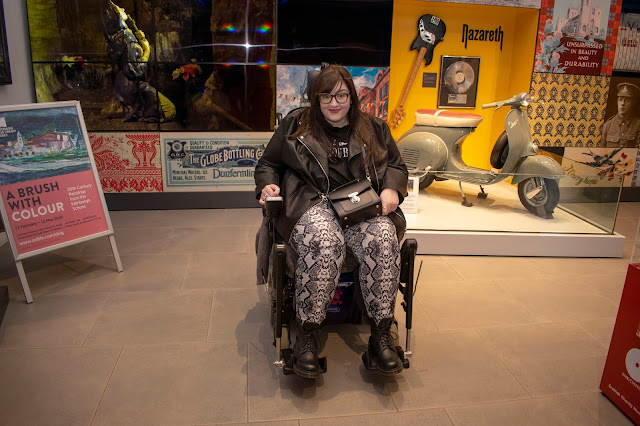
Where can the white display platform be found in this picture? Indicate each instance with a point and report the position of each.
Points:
(500, 226)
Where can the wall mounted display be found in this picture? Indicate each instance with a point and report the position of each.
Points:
(628, 44)
(211, 161)
(458, 82)
(530, 4)
(128, 162)
(577, 38)
(372, 86)
(347, 32)
(5, 67)
(573, 110)
(151, 65)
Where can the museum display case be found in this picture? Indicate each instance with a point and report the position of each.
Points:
(497, 222)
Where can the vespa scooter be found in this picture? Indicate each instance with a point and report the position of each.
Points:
(433, 147)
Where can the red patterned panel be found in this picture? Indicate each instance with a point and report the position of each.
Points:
(128, 162)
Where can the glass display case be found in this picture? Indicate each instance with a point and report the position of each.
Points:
(572, 215)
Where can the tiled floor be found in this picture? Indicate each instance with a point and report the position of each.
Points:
(182, 337)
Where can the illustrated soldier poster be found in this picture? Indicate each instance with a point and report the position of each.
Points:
(50, 192)
(211, 161)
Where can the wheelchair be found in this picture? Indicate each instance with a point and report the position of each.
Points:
(283, 300)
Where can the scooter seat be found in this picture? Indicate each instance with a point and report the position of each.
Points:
(444, 118)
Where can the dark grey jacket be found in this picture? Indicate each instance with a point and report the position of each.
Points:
(300, 167)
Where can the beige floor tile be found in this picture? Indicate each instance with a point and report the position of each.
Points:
(600, 329)
(152, 318)
(51, 321)
(240, 315)
(609, 285)
(478, 303)
(432, 417)
(629, 209)
(244, 217)
(347, 388)
(220, 270)
(141, 273)
(454, 368)
(474, 267)
(570, 266)
(188, 218)
(53, 386)
(549, 359)
(228, 239)
(132, 218)
(602, 409)
(627, 226)
(552, 299)
(557, 411)
(192, 383)
(434, 269)
(130, 241)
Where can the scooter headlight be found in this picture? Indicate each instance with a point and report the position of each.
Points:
(526, 99)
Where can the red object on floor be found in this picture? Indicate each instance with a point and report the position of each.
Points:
(621, 376)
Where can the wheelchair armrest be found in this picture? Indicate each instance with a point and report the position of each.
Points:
(273, 206)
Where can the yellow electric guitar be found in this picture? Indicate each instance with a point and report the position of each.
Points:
(398, 114)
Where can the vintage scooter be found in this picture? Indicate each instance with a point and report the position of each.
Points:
(433, 147)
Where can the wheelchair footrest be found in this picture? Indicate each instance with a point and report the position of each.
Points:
(288, 359)
(370, 363)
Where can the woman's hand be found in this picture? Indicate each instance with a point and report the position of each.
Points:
(390, 200)
(272, 190)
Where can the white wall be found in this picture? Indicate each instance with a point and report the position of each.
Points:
(21, 91)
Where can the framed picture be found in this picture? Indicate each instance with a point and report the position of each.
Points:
(5, 69)
(458, 82)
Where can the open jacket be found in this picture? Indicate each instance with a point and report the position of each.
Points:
(300, 167)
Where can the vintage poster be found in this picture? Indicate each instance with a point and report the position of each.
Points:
(572, 40)
(211, 161)
(598, 167)
(628, 45)
(50, 194)
(372, 86)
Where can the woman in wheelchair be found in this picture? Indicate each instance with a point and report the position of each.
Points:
(313, 151)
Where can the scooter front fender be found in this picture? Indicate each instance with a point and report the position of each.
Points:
(537, 165)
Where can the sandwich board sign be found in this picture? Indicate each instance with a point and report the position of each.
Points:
(49, 185)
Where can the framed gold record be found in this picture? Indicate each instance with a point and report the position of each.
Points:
(458, 82)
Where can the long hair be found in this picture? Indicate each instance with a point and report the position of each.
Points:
(312, 120)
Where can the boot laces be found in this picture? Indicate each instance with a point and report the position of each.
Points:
(309, 341)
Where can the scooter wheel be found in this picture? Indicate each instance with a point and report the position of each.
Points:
(539, 201)
(426, 181)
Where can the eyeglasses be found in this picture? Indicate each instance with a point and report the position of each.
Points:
(341, 97)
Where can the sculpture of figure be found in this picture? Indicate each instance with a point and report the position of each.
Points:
(129, 49)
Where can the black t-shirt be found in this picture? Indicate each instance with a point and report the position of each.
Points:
(339, 172)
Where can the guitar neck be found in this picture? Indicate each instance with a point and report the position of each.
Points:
(421, 53)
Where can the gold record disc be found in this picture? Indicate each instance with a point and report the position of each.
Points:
(459, 77)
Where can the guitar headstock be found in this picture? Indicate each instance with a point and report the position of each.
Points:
(397, 117)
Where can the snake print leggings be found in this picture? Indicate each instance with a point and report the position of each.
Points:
(321, 246)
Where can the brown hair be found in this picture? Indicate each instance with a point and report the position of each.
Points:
(312, 120)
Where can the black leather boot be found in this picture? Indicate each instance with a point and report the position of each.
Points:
(382, 348)
(305, 351)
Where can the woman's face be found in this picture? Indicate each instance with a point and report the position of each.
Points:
(335, 112)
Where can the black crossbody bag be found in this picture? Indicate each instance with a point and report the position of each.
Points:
(355, 202)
